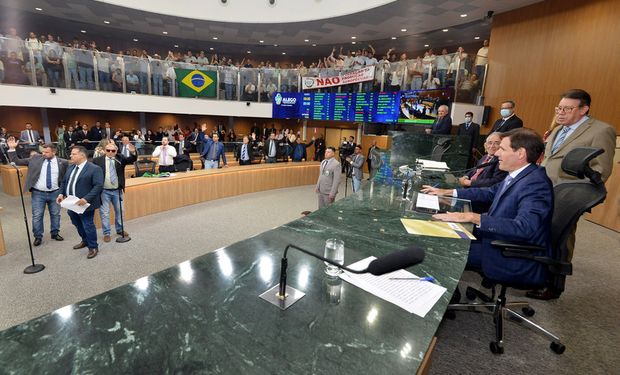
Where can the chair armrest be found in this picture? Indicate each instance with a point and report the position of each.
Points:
(518, 247)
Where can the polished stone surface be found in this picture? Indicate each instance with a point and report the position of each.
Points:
(407, 147)
(205, 316)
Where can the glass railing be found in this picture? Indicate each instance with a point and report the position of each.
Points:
(54, 66)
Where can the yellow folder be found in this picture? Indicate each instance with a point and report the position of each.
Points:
(436, 229)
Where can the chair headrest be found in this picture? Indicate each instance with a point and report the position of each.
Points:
(577, 163)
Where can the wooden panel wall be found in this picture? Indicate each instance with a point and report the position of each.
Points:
(541, 50)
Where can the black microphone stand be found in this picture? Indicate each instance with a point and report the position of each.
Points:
(34, 268)
(123, 238)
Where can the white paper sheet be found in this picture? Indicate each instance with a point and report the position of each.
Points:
(415, 296)
(427, 201)
(70, 203)
(432, 164)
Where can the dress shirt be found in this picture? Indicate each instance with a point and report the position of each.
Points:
(107, 182)
(512, 175)
(42, 181)
(71, 189)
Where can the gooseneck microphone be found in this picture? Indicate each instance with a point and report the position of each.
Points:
(392, 262)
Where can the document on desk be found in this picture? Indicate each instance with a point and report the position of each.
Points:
(433, 165)
(436, 229)
(415, 296)
(70, 203)
(427, 201)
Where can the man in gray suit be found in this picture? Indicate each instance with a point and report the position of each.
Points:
(357, 161)
(576, 129)
(45, 174)
(329, 178)
(29, 139)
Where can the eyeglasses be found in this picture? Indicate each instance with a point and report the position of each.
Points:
(110, 150)
(564, 109)
(492, 143)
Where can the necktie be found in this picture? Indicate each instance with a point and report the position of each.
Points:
(323, 165)
(271, 148)
(479, 170)
(48, 178)
(30, 136)
(560, 139)
(112, 169)
(505, 184)
(70, 190)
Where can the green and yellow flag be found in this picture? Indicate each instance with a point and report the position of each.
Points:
(196, 83)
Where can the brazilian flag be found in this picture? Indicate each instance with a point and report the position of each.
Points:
(194, 83)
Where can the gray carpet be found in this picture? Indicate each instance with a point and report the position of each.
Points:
(585, 317)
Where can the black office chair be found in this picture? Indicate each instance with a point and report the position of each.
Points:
(572, 198)
(443, 145)
(183, 163)
(144, 165)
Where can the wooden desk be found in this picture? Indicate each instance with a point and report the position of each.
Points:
(2, 245)
(9, 179)
(608, 213)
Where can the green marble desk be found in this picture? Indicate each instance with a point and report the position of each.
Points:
(205, 316)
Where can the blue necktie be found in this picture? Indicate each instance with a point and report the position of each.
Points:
(113, 176)
(506, 183)
(560, 139)
(245, 153)
(48, 178)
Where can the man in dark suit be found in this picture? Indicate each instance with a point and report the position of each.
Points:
(71, 137)
(509, 120)
(443, 124)
(82, 135)
(319, 148)
(244, 152)
(271, 148)
(491, 174)
(45, 175)
(95, 135)
(472, 130)
(182, 146)
(521, 210)
(85, 181)
(113, 167)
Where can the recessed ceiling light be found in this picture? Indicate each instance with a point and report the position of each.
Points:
(445, 30)
(164, 32)
(275, 45)
(313, 44)
(211, 48)
(248, 51)
(176, 46)
(426, 45)
(353, 42)
(353, 37)
(214, 38)
(284, 53)
(403, 30)
(476, 37)
(106, 22)
(463, 15)
(261, 41)
(39, 9)
(306, 40)
(83, 31)
(135, 40)
(393, 38)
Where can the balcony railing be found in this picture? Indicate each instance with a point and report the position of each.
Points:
(51, 65)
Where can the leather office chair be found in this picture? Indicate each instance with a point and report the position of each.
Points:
(571, 199)
(144, 165)
(443, 145)
(183, 163)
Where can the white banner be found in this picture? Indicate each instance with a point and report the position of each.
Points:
(356, 76)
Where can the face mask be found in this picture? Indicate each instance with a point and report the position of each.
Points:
(505, 112)
(468, 119)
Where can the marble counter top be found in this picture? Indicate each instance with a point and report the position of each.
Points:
(205, 316)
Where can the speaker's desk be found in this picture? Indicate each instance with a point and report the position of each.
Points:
(205, 316)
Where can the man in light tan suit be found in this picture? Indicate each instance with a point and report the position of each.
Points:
(329, 178)
(576, 129)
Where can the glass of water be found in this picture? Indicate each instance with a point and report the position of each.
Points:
(334, 251)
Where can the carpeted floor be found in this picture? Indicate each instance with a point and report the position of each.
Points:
(584, 317)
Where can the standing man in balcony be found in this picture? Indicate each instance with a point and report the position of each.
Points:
(509, 120)
(45, 175)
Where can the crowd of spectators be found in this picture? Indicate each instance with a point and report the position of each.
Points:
(56, 61)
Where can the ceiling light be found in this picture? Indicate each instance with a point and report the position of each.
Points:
(83, 31)
(261, 41)
(135, 40)
(403, 30)
(393, 38)
(353, 37)
(249, 51)
(106, 22)
(353, 42)
(164, 32)
(211, 48)
(476, 37)
(214, 38)
(463, 15)
(176, 46)
(284, 53)
(313, 44)
(445, 30)
(39, 9)
(426, 45)
(306, 40)
(275, 45)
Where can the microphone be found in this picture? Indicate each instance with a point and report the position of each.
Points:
(483, 165)
(392, 262)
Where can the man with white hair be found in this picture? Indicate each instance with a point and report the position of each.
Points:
(443, 123)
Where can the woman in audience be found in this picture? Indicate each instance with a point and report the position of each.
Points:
(60, 137)
(232, 137)
(139, 140)
(489, 175)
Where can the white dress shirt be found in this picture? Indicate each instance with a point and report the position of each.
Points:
(42, 181)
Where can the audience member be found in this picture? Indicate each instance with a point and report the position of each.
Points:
(509, 120)
(165, 154)
(471, 130)
(357, 161)
(271, 148)
(212, 152)
(244, 152)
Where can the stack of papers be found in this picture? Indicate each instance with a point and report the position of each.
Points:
(415, 296)
(432, 165)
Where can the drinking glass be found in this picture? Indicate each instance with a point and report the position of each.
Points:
(334, 251)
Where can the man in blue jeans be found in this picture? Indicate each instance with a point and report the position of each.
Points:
(113, 166)
(45, 174)
(212, 152)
